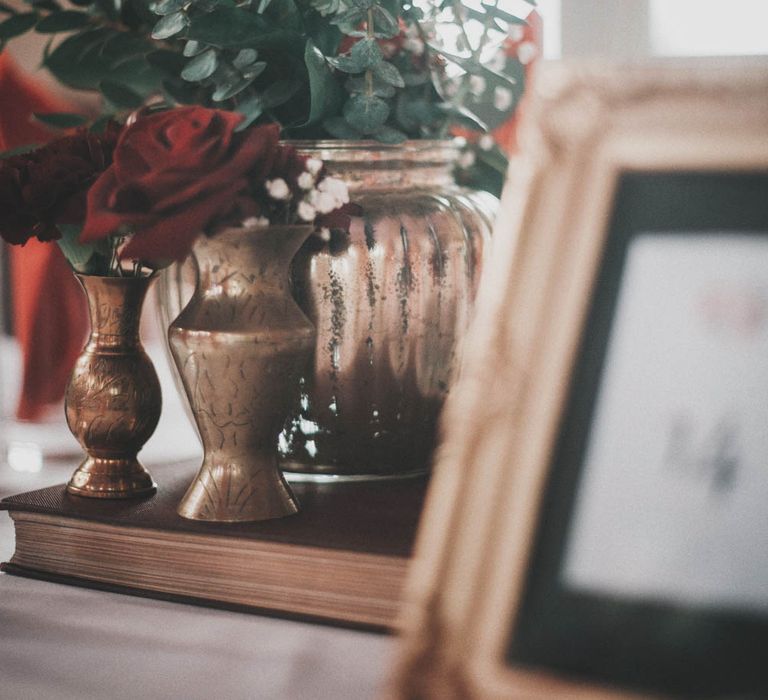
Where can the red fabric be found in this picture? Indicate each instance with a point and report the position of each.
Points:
(49, 312)
(506, 134)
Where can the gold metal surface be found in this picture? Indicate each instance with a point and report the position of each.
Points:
(113, 399)
(391, 302)
(240, 346)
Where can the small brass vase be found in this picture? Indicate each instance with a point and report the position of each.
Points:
(240, 345)
(113, 399)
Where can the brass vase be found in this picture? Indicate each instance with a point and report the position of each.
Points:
(240, 345)
(113, 399)
(391, 302)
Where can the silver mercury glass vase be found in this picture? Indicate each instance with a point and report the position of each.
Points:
(390, 301)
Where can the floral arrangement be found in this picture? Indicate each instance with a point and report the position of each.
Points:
(382, 69)
(143, 193)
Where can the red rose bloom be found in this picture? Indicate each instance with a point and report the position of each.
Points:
(174, 172)
(47, 186)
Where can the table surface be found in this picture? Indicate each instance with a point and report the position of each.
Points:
(66, 642)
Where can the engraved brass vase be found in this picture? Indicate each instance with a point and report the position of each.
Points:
(240, 345)
(391, 302)
(113, 399)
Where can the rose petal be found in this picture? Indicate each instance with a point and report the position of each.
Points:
(171, 238)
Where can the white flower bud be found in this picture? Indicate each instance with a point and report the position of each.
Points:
(486, 142)
(306, 211)
(502, 98)
(526, 52)
(337, 188)
(467, 159)
(324, 234)
(325, 202)
(314, 165)
(414, 45)
(278, 188)
(306, 181)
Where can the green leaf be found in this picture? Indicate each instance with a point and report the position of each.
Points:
(100, 124)
(17, 25)
(263, 5)
(359, 83)
(280, 92)
(201, 66)
(504, 16)
(340, 129)
(50, 5)
(193, 48)
(245, 58)
(252, 108)
(346, 64)
(324, 90)
(384, 23)
(234, 27)
(389, 74)
(7, 9)
(64, 21)
(167, 62)
(86, 258)
(351, 17)
(19, 150)
(366, 53)
(167, 7)
(366, 113)
(120, 95)
(389, 135)
(180, 92)
(224, 92)
(61, 120)
(170, 25)
(254, 70)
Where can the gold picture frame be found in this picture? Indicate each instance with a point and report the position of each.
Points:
(584, 128)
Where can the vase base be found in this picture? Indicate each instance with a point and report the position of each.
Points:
(100, 477)
(233, 493)
(296, 472)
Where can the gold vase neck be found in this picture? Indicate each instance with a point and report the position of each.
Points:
(114, 306)
(234, 259)
(370, 165)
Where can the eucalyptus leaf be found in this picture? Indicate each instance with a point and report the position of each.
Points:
(252, 108)
(168, 62)
(389, 74)
(235, 27)
(254, 70)
(339, 128)
(352, 17)
(346, 64)
(224, 92)
(245, 58)
(385, 24)
(167, 7)
(180, 92)
(366, 113)
(366, 53)
(64, 21)
(359, 83)
(263, 5)
(50, 5)
(19, 150)
(100, 124)
(17, 24)
(193, 48)
(324, 90)
(201, 66)
(61, 120)
(497, 13)
(7, 9)
(170, 25)
(120, 95)
(86, 258)
(389, 135)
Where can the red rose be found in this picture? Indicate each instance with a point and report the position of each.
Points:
(47, 186)
(174, 172)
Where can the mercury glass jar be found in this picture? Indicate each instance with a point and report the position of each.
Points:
(390, 301)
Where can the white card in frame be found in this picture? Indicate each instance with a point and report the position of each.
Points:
(597, 523)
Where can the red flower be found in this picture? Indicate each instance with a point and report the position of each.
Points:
(47, 186)
(174, 173)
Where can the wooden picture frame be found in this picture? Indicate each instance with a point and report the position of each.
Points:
(586, 130)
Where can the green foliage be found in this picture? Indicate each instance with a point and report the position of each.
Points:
(61, 120)
(346, 68)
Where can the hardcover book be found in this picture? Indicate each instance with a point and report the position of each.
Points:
(341, 559)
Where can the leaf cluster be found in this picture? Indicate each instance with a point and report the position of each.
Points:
(345, 68)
